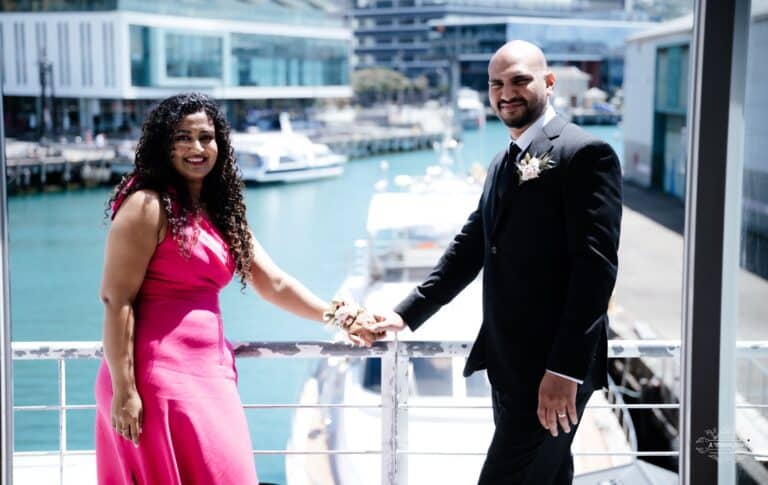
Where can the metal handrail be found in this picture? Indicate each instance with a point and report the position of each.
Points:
(394, 388)
(321, 348)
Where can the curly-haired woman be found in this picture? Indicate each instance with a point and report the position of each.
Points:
(168, 410)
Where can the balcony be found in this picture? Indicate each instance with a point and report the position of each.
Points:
(63, 465)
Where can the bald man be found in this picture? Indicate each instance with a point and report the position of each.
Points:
(546, 234)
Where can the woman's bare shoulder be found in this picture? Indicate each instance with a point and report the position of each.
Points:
(143, 208)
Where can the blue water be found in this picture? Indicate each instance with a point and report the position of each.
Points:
(56, 251)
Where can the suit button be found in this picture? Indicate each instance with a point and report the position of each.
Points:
(493, 250)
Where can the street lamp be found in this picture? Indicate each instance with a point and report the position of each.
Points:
(46, 115)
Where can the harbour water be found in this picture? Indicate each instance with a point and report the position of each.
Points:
(56, 250)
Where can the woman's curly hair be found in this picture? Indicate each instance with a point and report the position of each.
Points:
(222, 192)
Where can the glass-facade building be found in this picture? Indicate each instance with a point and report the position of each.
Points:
(298, 12)
(596, 46)
(161, 56)
(112, 59)
(414, 37)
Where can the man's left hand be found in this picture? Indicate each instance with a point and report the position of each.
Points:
(557, 403)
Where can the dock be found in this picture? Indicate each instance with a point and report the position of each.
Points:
(32, 166)
(374, 141)
(651, 270)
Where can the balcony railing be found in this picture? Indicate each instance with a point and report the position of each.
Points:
(394, 390)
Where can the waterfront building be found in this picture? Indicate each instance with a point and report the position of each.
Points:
(432, 38)
(656, 88)
(99, 65)
(595, 46)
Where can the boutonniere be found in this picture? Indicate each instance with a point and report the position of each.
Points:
(530, 167)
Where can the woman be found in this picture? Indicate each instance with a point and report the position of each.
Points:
(168, 410)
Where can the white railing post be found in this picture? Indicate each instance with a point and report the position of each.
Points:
(6, 366)
(388, 421)
(62, 417)
(394, 431)
(403, 367)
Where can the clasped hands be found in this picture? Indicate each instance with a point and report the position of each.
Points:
(362, 327)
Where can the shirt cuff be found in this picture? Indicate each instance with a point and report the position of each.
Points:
(578, 381)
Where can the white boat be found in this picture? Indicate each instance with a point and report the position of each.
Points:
(284, 156)
(470, 109)
(408, 230)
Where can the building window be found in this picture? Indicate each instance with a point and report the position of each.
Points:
(62, 30)
(108, 46)
(41, 40)
(259, 60)
(86, 64)
(193, 56)
(58, 5)
(21, 53)
(140, 57)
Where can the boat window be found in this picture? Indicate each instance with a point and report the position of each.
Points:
(477, 385)
(404, 274)
(407, 253)
(372, 374)
(244, 158)
(432, 377)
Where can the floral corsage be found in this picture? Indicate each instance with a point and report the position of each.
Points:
(342, 313)
(530, 167)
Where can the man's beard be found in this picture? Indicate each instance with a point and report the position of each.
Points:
(523, 119)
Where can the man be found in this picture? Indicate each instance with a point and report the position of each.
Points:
(546, 234)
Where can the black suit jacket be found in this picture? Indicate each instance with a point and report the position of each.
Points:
(548, 251)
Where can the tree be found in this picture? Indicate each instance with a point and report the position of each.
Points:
(379, 84)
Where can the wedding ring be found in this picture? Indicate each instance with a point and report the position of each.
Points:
(561, 415)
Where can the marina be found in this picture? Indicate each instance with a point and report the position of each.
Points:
(362, 132)
(35, 167)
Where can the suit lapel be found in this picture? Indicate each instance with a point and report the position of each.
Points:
(540, 145)
(492, 200)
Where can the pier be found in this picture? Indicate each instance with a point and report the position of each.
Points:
(651, 270)
(32, 166)
(366, 143)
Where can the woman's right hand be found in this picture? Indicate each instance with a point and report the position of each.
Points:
(127, 414)
(360, 333)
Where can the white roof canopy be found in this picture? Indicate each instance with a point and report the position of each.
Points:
(394, 210)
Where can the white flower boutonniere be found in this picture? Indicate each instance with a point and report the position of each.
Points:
(530, 167)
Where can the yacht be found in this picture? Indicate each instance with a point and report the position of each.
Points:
(470, 109)
(284, 156)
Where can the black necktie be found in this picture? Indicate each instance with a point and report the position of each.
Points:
(506, 169)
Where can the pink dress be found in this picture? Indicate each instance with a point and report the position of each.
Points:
(194, 430)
